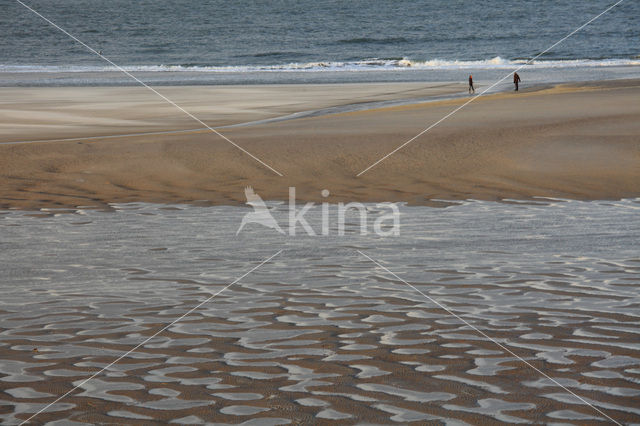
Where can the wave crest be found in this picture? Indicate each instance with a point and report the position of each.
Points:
(371, 64)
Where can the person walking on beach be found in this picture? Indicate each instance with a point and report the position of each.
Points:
(471, 88)
(516, 80)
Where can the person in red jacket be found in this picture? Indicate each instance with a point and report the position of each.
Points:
(516, 80)
(471, 88)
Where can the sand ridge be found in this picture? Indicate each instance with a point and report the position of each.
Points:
(565, 142)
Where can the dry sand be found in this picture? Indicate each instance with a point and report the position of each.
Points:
(567, 142)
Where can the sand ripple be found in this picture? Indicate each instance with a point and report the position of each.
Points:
(322, 334)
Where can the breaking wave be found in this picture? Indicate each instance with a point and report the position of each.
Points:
(372, 64)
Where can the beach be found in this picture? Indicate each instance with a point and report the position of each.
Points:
(321, 333)
(293, 213)
(575, 141)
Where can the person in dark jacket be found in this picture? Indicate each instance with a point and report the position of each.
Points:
(516, 80)
(471, 88)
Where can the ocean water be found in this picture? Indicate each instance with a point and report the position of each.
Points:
(321, 331)
(300, 41)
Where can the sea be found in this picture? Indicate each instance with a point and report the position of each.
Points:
(248, 42)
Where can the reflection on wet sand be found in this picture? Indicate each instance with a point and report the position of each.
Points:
(322, 334)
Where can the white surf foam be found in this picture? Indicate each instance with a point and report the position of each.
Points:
(319, 66)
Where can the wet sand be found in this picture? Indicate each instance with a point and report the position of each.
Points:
(321, 334)
(566, 142)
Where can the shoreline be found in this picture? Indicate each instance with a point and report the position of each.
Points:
(574, 141)
(541, 72)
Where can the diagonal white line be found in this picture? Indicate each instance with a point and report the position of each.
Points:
(150, 88)
(483, 334)
(152, 336)
(489, 88)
